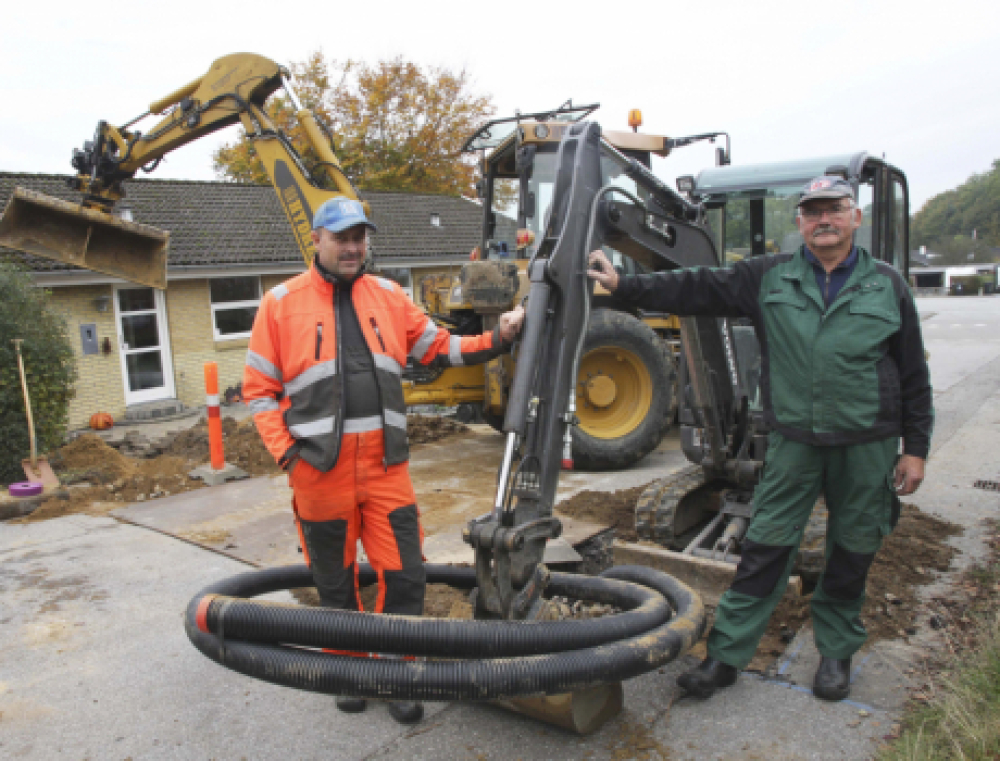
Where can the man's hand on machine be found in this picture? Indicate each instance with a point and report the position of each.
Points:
(510, 323)
(909, 474)
(602, 270)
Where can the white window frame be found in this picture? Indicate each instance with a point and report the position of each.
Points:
(232, 305)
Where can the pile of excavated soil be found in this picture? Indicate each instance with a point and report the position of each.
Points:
(143, 480)
(242, 444)
(909, 559)
(425, 429)
(86, 500)
(192, 444)
(88, 459)
(614, 509)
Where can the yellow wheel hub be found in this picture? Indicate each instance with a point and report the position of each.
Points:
(615, 392)
(600, 391)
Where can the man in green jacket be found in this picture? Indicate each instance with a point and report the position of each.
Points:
(843, 379)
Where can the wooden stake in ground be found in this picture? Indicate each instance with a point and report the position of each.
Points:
(35, 468)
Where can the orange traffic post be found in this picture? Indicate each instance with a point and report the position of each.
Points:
(214, 416)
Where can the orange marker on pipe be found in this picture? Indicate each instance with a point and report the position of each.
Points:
(214, 416)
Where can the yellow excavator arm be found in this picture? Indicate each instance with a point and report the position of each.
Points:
(235, 89)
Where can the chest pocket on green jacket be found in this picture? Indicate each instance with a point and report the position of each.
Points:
(873, 317)
(783, 311)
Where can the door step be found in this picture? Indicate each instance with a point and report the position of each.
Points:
(149, 411)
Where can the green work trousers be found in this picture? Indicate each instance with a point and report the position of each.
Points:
(857, 481)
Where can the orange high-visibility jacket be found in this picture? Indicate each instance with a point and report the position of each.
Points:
(292, 379)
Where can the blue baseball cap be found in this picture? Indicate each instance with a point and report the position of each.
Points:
(340, 213)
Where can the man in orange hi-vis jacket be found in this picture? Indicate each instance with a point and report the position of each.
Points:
(324, 379)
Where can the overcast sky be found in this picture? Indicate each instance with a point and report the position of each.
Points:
(915, 80)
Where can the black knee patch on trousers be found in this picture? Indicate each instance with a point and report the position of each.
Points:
(760, 569)
(846, 573)
(325, 542)
(404, 589)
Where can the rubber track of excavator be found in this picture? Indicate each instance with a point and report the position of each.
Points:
(654, 511)
(656, 507)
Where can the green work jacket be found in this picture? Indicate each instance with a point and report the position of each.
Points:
(849, 373)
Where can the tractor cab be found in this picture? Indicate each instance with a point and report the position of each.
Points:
(751, 209)
(518, 175)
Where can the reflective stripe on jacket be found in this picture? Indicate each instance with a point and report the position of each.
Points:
(292, 379)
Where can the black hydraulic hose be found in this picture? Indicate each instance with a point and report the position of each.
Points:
(561, 669)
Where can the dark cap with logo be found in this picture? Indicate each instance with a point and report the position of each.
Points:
(826, 186)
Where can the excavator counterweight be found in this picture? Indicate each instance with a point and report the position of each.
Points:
(74, 234)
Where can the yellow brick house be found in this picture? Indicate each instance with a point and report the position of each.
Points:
(141, 352)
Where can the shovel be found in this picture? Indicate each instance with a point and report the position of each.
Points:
(36, 468)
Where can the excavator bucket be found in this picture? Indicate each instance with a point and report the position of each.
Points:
(95, 240)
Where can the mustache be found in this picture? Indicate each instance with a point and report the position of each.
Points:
(824, 229)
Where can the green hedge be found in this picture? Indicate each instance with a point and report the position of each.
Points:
(49, 365)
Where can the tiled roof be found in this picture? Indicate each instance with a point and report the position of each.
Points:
(214, 223)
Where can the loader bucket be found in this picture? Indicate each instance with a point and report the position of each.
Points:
(95, 240)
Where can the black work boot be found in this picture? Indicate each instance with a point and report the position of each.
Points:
(833, 679)
(707, 677)
(351, 705)
(406, 711)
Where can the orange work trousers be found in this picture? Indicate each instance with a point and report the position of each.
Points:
(362, 499)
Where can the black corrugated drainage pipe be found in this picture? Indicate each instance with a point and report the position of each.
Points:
(459, 660)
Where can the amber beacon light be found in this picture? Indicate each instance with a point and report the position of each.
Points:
(635, 119)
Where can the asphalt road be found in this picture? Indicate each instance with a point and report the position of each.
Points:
(94, 663)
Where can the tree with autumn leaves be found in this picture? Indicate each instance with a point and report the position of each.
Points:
(395, 125)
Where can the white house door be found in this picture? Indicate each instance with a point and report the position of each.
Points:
(144, 344)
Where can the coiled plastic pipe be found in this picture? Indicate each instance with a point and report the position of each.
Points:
(465, 660)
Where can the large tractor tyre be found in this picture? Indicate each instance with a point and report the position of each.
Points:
(625, 393)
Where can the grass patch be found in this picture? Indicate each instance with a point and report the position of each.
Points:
(957, 713)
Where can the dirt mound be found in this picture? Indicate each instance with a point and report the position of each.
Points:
(86, 500)
(159, 477)
(88, 458)
(192, 444)
(245, 449)
(242, 444)
(614, 509)
(424, 429)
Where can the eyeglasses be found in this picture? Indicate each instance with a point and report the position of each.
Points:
(813, 213)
